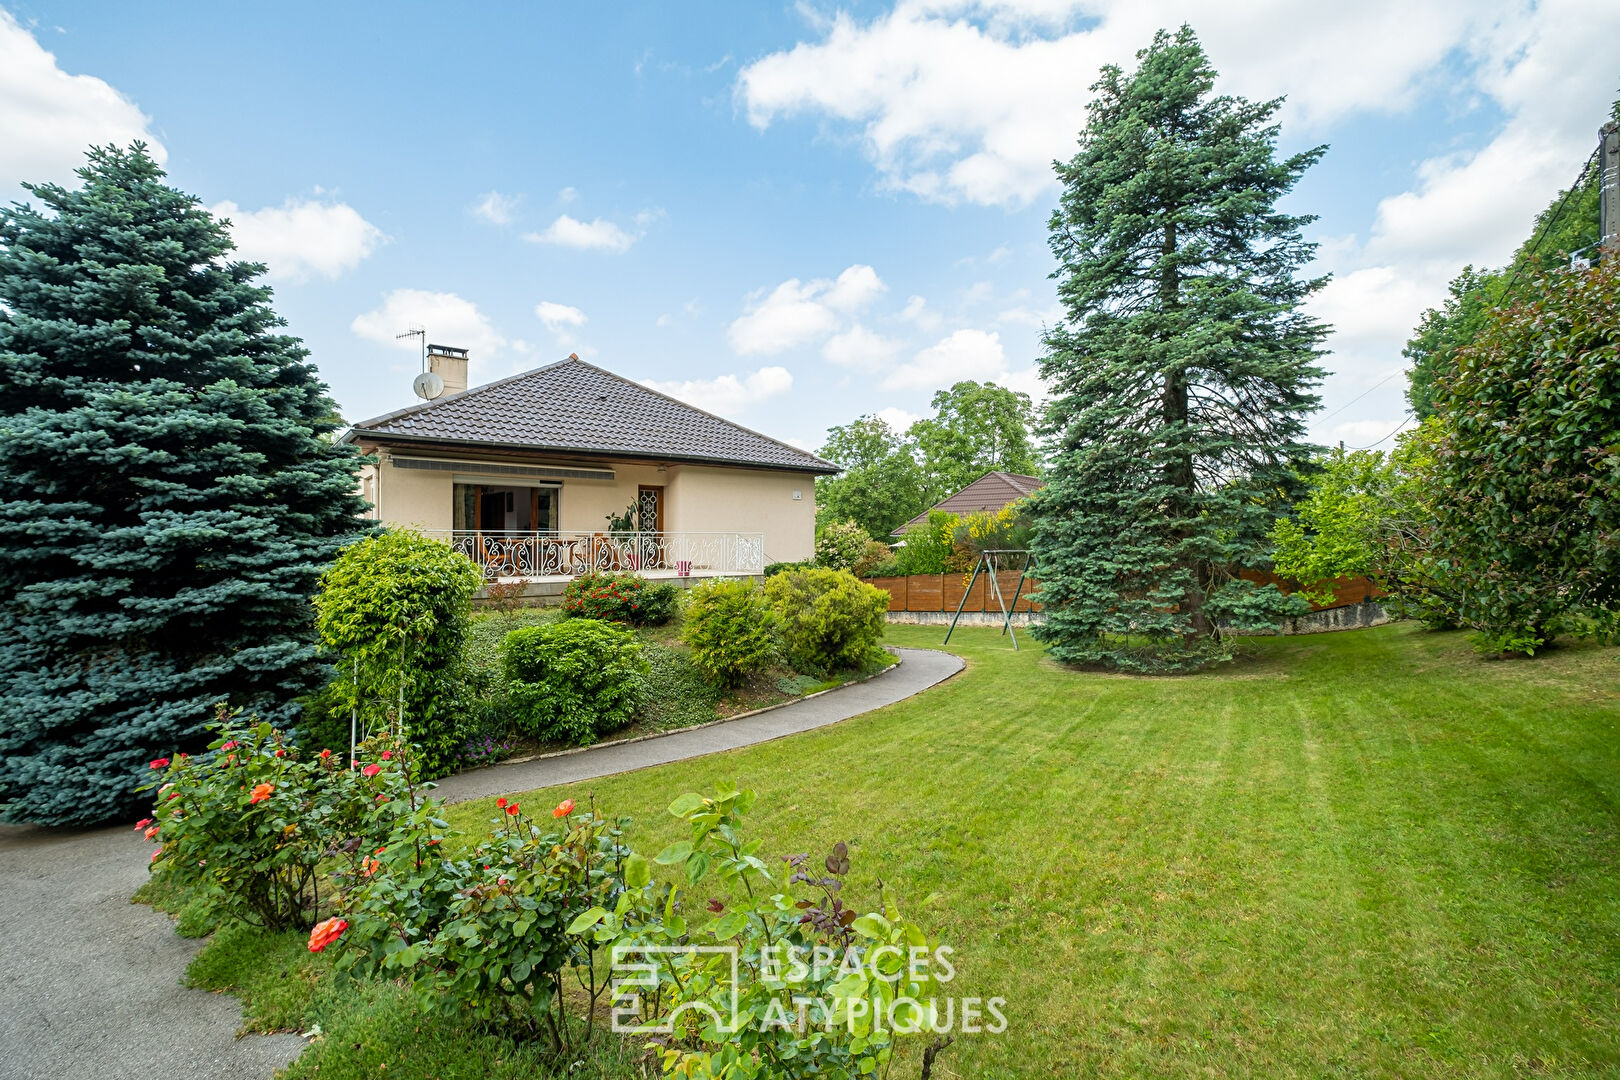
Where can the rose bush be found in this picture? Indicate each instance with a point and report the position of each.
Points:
(621, 597)
(249, 823)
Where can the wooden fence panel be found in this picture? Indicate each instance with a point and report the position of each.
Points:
(956, 584)
(895, 587)
(925, 592)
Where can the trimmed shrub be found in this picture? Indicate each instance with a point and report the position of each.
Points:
(875, 561)
(573, 680)
(398, 605)
(929, 544)
(731, 630)
(829, 618)
(626, 598)
(840, 545)
(772, 569)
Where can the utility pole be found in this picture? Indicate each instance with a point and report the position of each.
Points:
(1609, 185)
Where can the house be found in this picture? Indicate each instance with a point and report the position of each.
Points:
(990, 492)
(569, 467)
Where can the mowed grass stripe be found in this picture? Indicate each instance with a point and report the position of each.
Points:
(1360, 854)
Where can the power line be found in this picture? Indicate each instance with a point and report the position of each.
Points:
(1553, 220)
(1364, 393)
(1386, 438)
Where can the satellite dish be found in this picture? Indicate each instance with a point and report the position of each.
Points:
(428, 385)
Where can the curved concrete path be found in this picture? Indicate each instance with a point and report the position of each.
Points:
(917, 671)
(90, 983)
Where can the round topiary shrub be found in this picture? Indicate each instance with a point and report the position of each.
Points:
(572, 681)
(731, 631)
(395, 608)
(829, 618)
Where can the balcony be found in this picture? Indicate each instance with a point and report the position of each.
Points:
(537, 556)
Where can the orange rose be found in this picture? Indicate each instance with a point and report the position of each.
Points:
(564, 808)
(261, 792)
(325, 933)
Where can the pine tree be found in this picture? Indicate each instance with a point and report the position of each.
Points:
(1182, 372)
(169, 494)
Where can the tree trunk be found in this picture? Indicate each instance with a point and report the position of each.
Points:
(1179, 469)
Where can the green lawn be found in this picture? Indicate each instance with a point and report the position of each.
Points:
(1357, 854)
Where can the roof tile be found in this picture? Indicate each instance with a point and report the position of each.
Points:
(575, 406)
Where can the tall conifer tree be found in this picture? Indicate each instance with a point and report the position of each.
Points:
(168, 492)
(1182, 372)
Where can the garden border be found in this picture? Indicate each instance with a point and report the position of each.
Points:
(898, 660)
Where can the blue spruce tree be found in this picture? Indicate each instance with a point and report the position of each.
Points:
(169, 493)
(1182, 372)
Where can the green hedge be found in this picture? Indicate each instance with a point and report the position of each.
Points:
(731, 630)
(829, 619)
(396, 607)
(574, 680)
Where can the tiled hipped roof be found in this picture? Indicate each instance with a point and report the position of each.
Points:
(992, 491)
(572, 406)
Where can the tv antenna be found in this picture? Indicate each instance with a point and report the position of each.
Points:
(427, 385)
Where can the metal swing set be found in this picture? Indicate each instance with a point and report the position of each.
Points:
(990, 562)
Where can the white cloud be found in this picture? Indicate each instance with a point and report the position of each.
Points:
(568, 195)
(970, 100)
(797, 312)
(449, 320)
(302, 238)
(728, 395)
(50, 117)
(898, 419)
(597, 235)
(918, 312)
(495, 208)
(856, 287)
(558, 316)
(966, 354)
(860, 348)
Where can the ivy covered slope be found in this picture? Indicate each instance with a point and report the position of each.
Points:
(168, 496)
(1182, 371)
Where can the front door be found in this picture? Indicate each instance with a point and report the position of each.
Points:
(650, 509)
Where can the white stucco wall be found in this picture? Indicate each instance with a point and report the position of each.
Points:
(696, 499)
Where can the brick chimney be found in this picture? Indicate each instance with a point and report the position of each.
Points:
(450, 365)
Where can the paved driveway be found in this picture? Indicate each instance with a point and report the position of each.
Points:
(90, 983)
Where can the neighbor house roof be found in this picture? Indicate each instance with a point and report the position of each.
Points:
(578, 408)
(992, 491)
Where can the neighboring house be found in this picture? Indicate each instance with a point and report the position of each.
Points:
(569, 467)
(991, 492)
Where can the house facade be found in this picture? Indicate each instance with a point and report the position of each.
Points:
(570, 467)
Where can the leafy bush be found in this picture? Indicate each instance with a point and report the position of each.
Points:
(572, 680)
(829, 618)
(731, 630)
(396, 607)
(772, 569)
(928, 544)
(616, 597)
(1529, 464)
(486, 937)
(1007, 529)
(862, 978)
(675, 692)
(840, 545)
(875, 560)
(250, 824)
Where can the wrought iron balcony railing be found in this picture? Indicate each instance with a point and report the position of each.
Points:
(569, 554)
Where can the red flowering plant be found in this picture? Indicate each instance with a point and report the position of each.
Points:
(248, 823)
(622, 598)
(498, 950)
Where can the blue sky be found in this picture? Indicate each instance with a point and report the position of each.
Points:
(790, 214)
